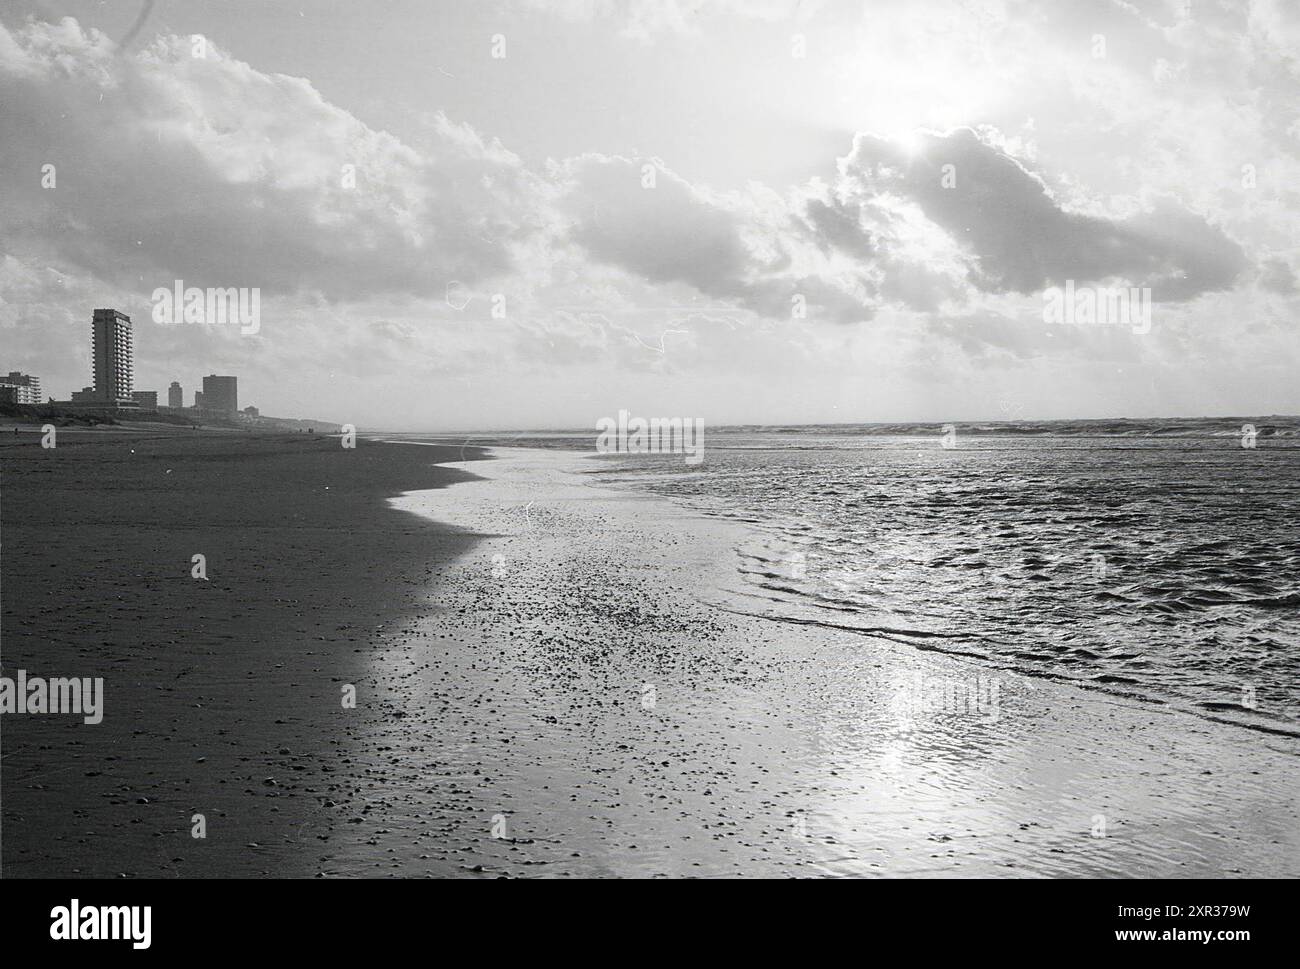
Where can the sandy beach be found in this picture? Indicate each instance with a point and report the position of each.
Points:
(554, 678)
(222, 697)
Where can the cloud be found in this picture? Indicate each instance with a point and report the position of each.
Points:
(171, 165)
(928, 226)
(746, 249)
(1019, 237)
(174, 165)
(1276, 277)
(646, 19)
(664, 230)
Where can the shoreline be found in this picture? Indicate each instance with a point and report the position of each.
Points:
(581, 598)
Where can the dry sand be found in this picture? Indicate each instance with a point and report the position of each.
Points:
(222, 697)
(561, 686)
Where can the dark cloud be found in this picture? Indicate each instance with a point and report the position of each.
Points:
(672, 233)
(839, 224)
(664, 233)
(1021, 240)
(1005, 234)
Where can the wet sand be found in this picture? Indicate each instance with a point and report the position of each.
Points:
(554, 678)
(589, 705)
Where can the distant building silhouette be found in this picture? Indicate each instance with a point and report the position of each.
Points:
(113, 356)
(220, 394)
(20, 388)
(175, 396)
(147, 399)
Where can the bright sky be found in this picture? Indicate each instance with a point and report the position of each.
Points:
(765, 211)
